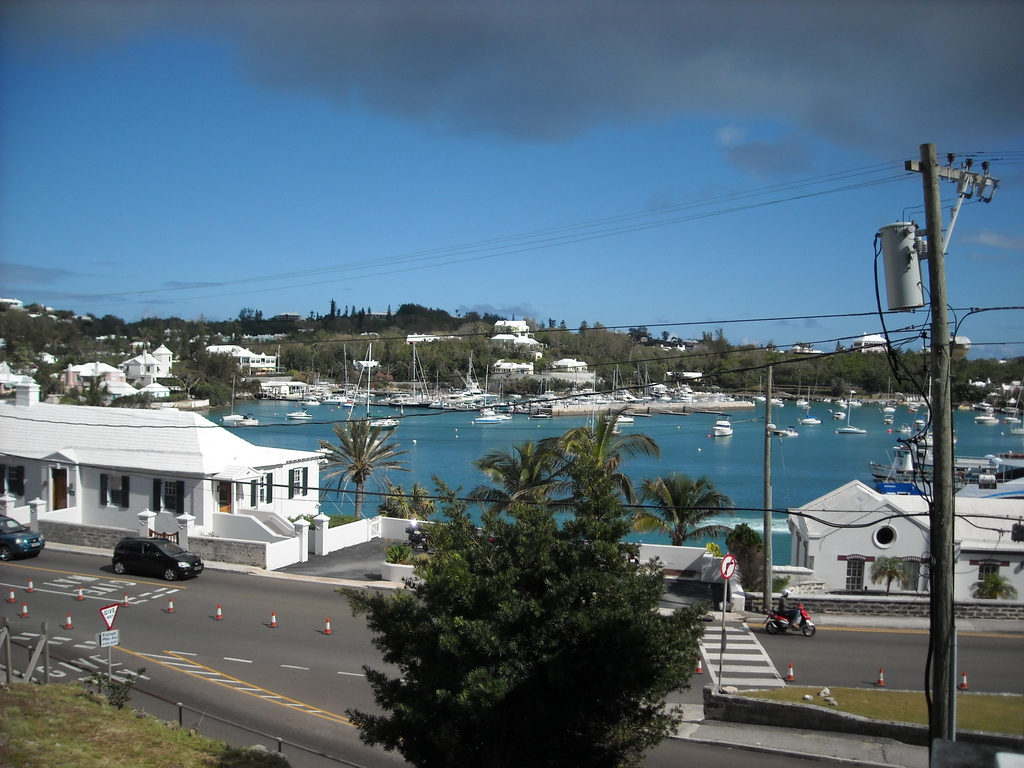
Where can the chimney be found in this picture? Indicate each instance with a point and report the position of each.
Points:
(26, 395)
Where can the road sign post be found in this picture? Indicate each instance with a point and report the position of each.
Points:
(728, 569)
(111, 637)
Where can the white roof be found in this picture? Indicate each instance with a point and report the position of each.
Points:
(159, 441)
(156, 388)
(981, 524)
(93, 369)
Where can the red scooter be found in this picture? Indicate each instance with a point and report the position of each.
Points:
(776, 623)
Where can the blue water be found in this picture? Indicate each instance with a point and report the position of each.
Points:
(446, 443)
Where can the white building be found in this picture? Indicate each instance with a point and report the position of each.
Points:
(514, 332)
(503, 366)
(847, 530)
(251, 362)
(78, 377)
(10, 380)
(104, 467)
(569, 365)
(871, 342)
(146, 367)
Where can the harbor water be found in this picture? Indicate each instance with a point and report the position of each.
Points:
(817, 461)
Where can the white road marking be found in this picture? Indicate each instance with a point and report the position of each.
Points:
(184, 653)
(352, 674)
(243, 661)
(88, 664)
(291, 666)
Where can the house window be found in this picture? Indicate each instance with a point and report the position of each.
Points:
(913, 567)
(13, 480)
(269, 496)
(114, 489)
(294, 482)
(990, 568)
(855, 574)
(885, 536)
(169, 495)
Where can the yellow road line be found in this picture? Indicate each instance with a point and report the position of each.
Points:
(250, 689)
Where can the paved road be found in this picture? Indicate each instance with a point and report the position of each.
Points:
(295, 681)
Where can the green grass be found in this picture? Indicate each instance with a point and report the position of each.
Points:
(64, 725)
(974, 711)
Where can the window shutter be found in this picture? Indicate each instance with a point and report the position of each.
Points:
(3, 479)
(270, 487)
(291, 483)
(124, 492)
(104, 490)
(253, 488)
(305, 481)
(158, 492)
(19, 481)
(180, 487)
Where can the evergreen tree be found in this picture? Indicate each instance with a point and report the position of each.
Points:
(523, 643)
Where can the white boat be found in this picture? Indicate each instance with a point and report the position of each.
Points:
(986, 417)
(887, 419)
(386, 423)
(808, 421)
(309, 401)
(231, 419)
(491, 416)
(838, 415)
(1017, 431)
(333, 400)
(722, 428)
(247, 421)
(300, 414)
(625, 418)
(905, 429)
(787, 432)
(849, 429)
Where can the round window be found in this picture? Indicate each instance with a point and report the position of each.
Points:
(885, 536)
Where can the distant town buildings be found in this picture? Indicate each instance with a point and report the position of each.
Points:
(252, 362)
(514, 332)
(147, 367)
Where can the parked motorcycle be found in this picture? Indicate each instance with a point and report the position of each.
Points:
(418, 538)
(776, 623)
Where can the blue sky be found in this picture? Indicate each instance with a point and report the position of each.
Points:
(676, 165)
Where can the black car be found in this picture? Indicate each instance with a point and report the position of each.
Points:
(16, 539)
(157, 557)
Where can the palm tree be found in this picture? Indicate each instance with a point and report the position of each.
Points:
(361, 451)
(604, 447)
(994, 587)
(890, 569)
(681, 507)
(529, 472)
(414, 505)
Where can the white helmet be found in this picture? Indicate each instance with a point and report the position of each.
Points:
(785, 593)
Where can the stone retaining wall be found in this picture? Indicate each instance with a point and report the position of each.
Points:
(907, 606)
(742, 709)
(233, 551)
(84, 535)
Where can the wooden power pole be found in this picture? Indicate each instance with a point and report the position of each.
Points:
(766, 592)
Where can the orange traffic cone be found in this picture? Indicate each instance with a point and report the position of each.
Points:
(219, 615)
(24, 610)
(170, 605)
(327, 631)
(791, 677)
(12, 598)
(31, 586)
(125, 603)
(273, 619)
(700, 665)
(881, 678)
(80, 595)
(963, 681)
(67, 624)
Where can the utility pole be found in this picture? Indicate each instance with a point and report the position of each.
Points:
(942, 715)
(766, 592)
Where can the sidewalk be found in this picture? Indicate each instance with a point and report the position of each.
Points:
(836, 747)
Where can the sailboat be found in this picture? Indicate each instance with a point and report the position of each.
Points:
(235, 419)
(849, 429)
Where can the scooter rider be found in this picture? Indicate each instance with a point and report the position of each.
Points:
(790, 612)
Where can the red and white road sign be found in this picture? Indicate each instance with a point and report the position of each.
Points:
(728, 567)
(109, 613)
